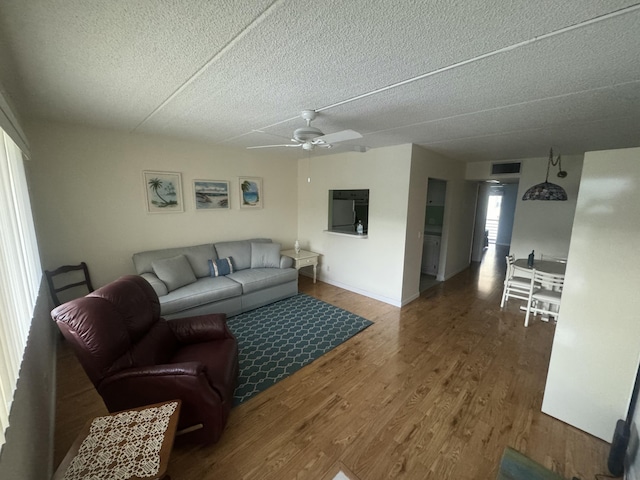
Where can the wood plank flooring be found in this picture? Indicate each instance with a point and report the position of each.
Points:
(434, 390)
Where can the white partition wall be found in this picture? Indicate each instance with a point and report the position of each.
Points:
(597, 341)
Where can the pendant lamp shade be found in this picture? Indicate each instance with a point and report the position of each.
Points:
(547, 190)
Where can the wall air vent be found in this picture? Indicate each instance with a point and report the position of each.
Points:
(502, 168)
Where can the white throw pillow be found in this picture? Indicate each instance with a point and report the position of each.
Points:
(175, 272)
(265, 255)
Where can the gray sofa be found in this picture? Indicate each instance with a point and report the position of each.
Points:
(225, 277)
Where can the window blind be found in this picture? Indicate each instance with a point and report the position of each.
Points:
(20, 272)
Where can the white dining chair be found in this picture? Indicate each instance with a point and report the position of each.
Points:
(516, 283)
(545, 292)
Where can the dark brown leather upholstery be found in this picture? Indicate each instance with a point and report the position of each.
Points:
(134, 357)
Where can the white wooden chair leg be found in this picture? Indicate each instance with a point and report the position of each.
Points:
(526, 317)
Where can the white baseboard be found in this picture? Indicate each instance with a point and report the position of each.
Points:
(410, 299)
(456, 272)
(390, 301)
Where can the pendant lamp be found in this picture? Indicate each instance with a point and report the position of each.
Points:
(547, 190)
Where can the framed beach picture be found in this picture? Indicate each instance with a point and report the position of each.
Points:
(250, 192)
(211, 194)
(163, 192)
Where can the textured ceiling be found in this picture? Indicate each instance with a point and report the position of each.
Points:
(471, 79)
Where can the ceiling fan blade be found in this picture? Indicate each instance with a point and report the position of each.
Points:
(342, 136)
(271, 146)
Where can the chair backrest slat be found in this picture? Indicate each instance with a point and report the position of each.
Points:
(549, 281)
(68, 284)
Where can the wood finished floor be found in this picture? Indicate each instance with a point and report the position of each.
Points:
(434, 390)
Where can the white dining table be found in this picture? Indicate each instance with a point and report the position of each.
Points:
(546, 266)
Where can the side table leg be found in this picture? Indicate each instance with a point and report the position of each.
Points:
(314, 273)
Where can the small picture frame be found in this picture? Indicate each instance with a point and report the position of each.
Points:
(211, 194)
(251, 194)
(163, 192)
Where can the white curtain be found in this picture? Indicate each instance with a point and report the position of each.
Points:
(20, 271)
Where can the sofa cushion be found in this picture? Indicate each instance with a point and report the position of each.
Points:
(197, 256)
(205, 290)
(239, 251)
(175, 272)
(258, 278)
(220, 267)
(265, 255)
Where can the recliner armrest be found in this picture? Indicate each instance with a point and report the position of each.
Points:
(202, 404)
(171, 369)
(201, 328)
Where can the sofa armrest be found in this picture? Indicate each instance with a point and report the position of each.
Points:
(286, 262)
(158, 285)
(201, 328)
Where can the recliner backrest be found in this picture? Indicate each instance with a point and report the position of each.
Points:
(116, 327)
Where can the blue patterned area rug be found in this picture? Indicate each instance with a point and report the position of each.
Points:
(279, 339)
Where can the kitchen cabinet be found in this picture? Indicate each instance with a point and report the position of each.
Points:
(431, 254)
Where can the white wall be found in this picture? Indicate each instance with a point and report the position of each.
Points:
(596, 347)
(507, 213)
(540, 225)
(386, 265)
(89, 197)
(371, 266)
(459, 211)
(482, 204)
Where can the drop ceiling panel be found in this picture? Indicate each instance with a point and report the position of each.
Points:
(114, 62)
(330, 54)
(582, 91)
(554, 68)
(607, 104)
(216, 71)
(514, 145)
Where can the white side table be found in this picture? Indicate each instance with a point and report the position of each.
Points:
(304, 258)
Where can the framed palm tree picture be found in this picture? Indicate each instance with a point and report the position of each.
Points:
(251, 195)
(163, 192)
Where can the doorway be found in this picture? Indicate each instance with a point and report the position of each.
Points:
(492, 221)
(433, 224)
(495, 212)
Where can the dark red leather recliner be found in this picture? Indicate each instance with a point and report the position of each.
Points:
(134, 357)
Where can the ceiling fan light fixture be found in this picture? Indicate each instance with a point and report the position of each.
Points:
(304, 134)
(547, 190)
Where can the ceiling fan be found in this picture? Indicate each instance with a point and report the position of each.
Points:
(311, 137)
